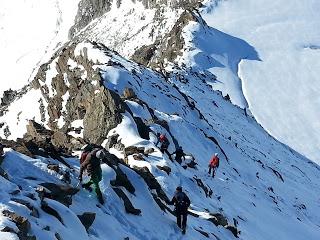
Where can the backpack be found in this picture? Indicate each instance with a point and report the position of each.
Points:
(182, 203)
(165, 143)
(162, 137)
(83, 156)
(87, 149)
(214, 162)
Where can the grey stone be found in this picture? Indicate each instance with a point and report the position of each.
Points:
(127, 203)
(87, 219)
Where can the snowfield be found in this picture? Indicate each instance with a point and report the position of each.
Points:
(266, 189)
(281, 89)
(30, 32)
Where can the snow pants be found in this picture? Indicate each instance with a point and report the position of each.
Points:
(95, 179)
(213, 170)
(182, 219)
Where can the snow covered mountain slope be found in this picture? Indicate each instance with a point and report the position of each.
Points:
(281, 89)
(30, 31)
(130, 25)
(231, 49)
(266, 189)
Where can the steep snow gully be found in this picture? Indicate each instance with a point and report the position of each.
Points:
(262, 190)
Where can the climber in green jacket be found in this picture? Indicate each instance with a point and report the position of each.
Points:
(91, 163)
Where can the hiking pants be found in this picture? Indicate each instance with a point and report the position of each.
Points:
(179, 160)
(213, 170)
(183, 217)
(95, 179)
(165, 150)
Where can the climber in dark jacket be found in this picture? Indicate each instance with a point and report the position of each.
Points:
(91, 164)
(179, 155)
(181, 203)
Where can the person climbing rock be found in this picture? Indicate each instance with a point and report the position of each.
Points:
(181, 202)
(162, 139)
(91, 163)
(179, 154)
(213, 164)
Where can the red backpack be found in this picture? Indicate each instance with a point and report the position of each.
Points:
(83, 156)
(163, 138)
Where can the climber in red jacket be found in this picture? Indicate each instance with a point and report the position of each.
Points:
(213, 164)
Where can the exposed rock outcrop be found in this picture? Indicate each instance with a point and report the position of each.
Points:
(22, 223)
(167, 48)
(34, 211)
(98, 107)
(151, 182)
(127, 203)
(165, 169)
(49, 210)
(60, 193)
(87, 219)
(89, 10)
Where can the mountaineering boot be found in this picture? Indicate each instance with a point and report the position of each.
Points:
(85, 186)
(100, 199)
(183, 230)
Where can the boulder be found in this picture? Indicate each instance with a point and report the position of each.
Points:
(60, 193)
(58, 237)
(165, 169)
(103, 113)
(192, 164)
(127, 203)
(143, 129)
(149, 151)
(49, 210)
(151, 181)
(128, 93)
(133, 150)
(38, 132)
(54, 167)
(113, 142)
(8, 229)
(122, 180)
(138, 157)
(218, 219)
(233, 229)
(87, 219)
(8, 97)
(22, 223)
